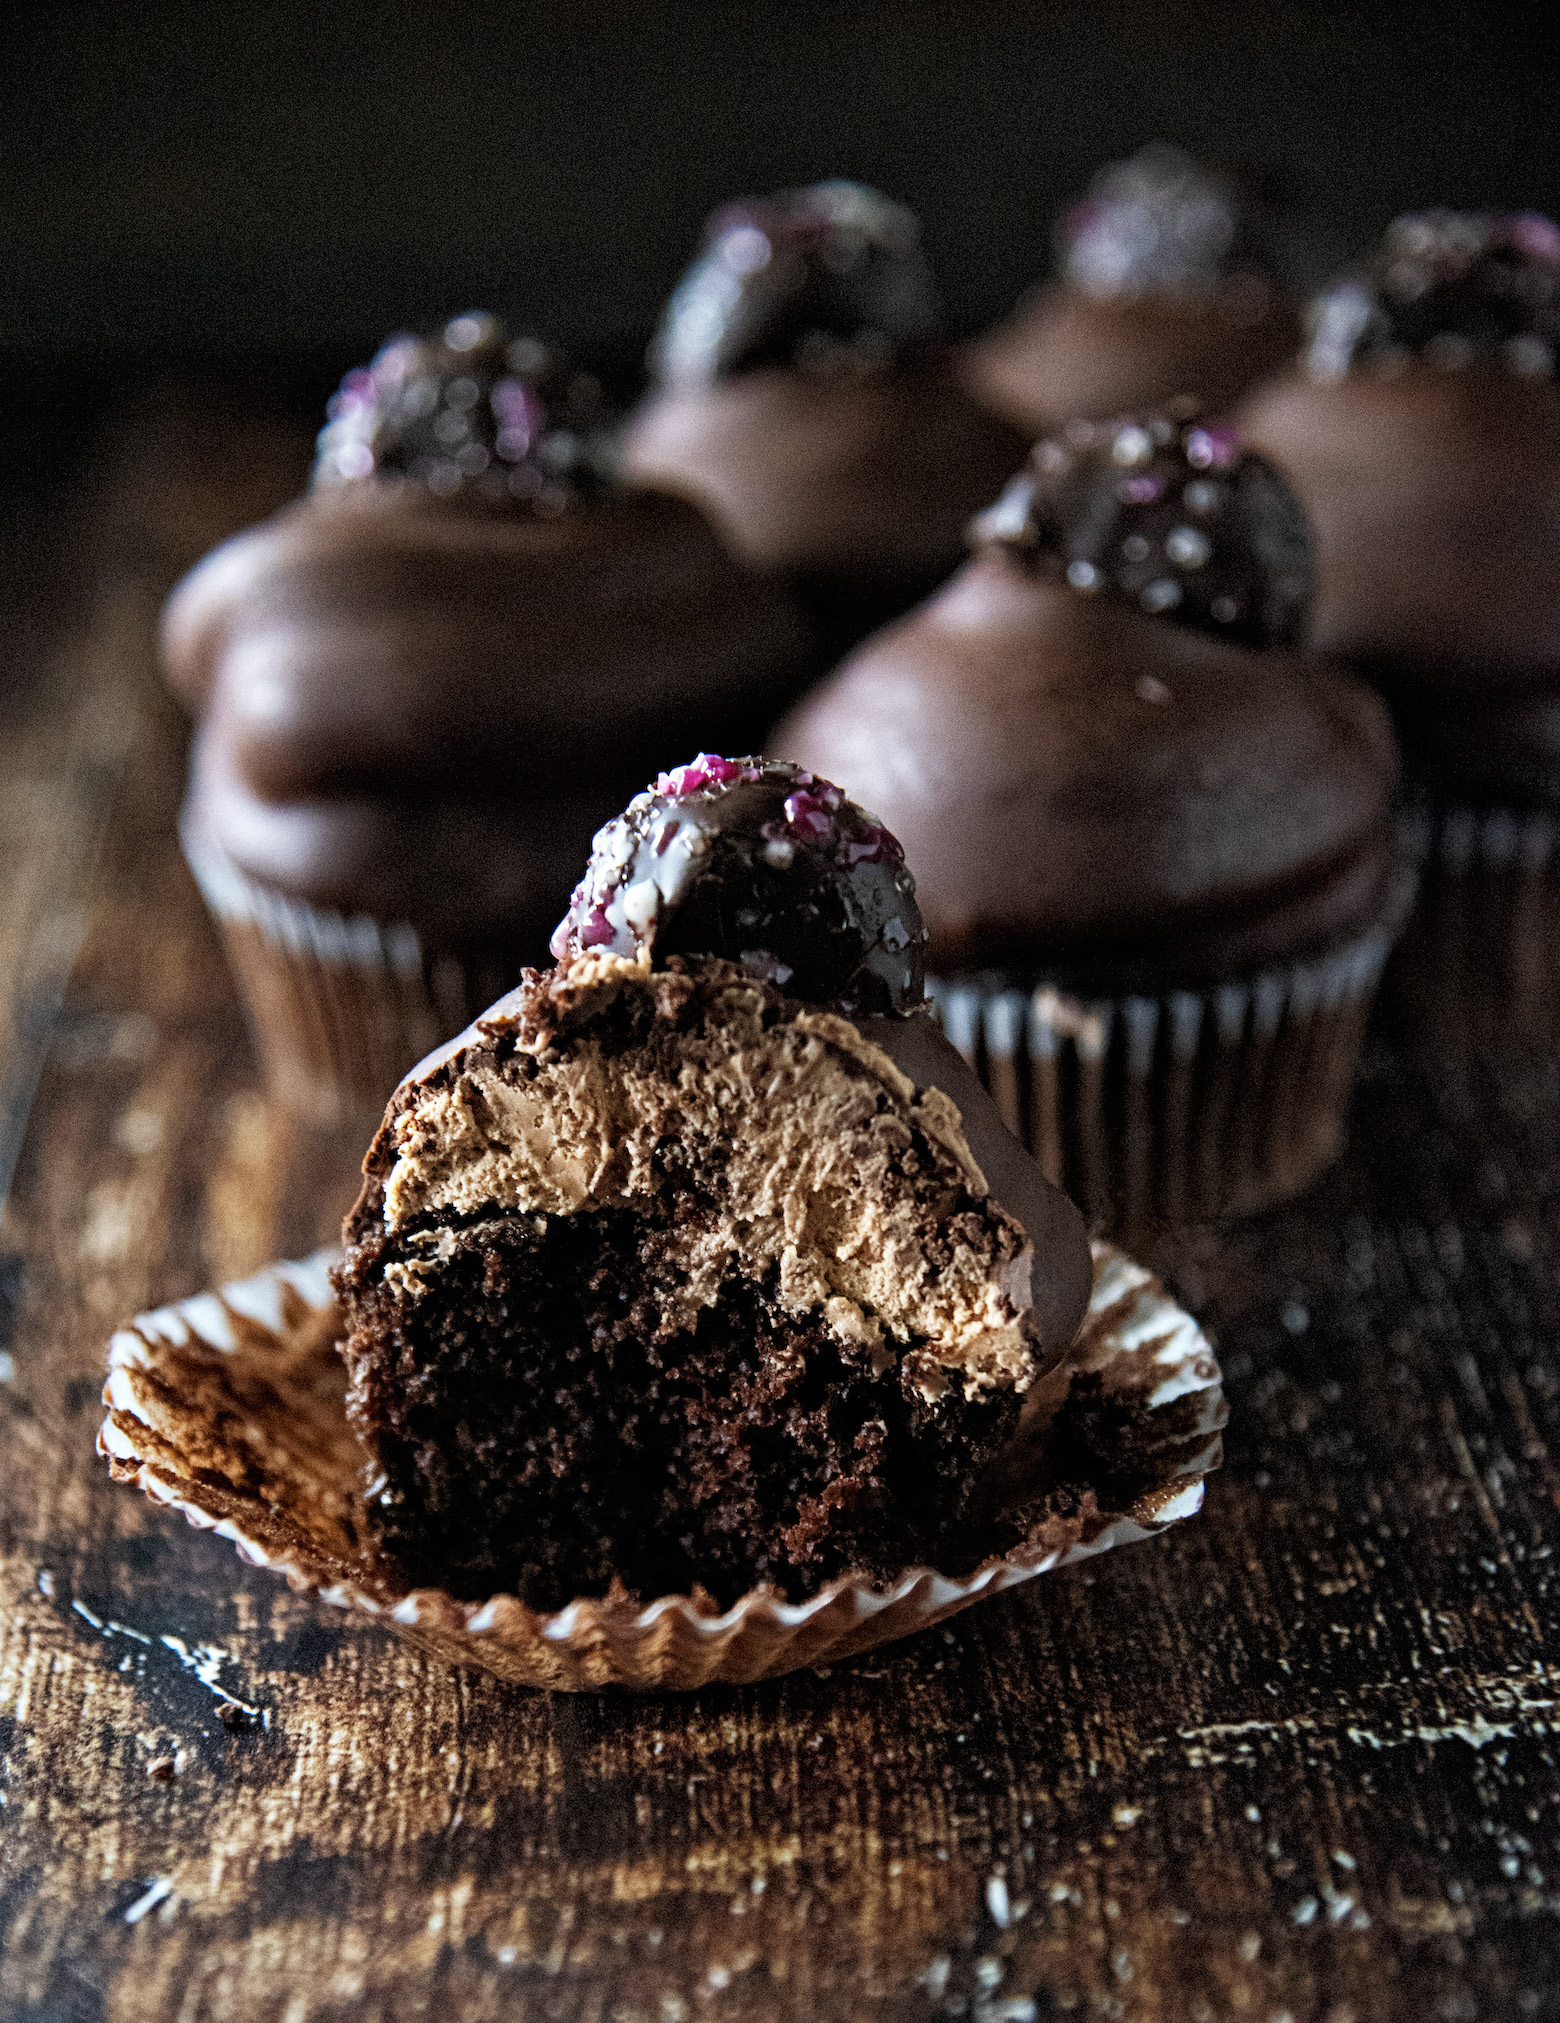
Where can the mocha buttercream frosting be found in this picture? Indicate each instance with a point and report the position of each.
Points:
(1423, 434)
(805, 395)
(1094, 791)
(1164, 287)
(562, 1098)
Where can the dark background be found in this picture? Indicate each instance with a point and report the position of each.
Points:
(266, 187)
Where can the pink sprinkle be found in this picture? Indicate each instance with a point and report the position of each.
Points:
(1534, 234)
(1142, 491)
(809, 813)
(874, 846)
(596, 930)
(1211, 448)
(707, 770)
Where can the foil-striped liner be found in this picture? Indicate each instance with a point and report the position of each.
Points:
(341, 1007)
(230, 1407)
(1480, 960)
(1158, 1111)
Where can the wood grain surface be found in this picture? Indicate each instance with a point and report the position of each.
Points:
(1294, 1761)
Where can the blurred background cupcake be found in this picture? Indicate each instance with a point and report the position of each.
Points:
(423, 686)
(804, 392)
(1155, 846)
(1422, 431)
(1164, 287)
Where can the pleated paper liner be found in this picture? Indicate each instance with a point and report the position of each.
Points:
(1480, 960)
(1158, 1111)
(341, 1008)
(230, 1407)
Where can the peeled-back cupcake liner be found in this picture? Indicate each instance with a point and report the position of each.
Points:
(1480, 959)
(231, 1407)
(1187, 1107)
(341, 1007)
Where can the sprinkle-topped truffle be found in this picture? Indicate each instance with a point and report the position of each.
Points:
(1449, 287)
(1160, 223)
(764, 865)
(831, 279)
(1169, 512)
(469, 413)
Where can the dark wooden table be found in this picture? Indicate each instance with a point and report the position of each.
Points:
(1296, 1760)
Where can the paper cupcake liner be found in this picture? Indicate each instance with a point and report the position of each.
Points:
(1480, 959)
(341, 1007)
(1186, 1107)
(230, 1407)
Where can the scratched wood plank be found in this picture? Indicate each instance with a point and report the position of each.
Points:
(1295, 1760)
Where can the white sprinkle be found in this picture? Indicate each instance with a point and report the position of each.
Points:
(1083, 575)
(1133, 445)
(1161, 595)
(162, 1886)
(997, 1902)
(1188, 547)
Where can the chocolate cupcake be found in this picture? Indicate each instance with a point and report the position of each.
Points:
(1164, 289)
(804, 394)
(700, 1262)
(397, 679)
(1423, 433)
(1159, 868)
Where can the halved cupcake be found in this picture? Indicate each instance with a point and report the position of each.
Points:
(701, 1260)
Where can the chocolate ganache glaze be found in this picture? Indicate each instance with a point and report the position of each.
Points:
(398, 674)
(1422, 432)
(805, 395)
(1093, 741)
(1164, 288)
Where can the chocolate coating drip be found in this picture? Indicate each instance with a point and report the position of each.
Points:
(764, 865)
(830, 278)
(1168, 512)
(1451, 287)
(1160, 223)
(469, 413)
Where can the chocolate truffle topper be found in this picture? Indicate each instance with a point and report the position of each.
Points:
(830, 278)
(1450, 287)
(1159, 223)
(760, 864)
(470, 413)
(1169, 512)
